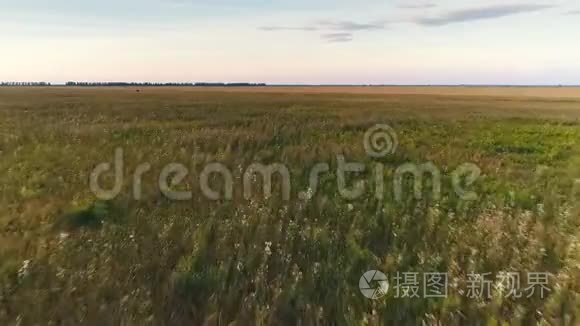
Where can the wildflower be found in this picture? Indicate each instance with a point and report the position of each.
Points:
(62, 237)
(541, 210)
(350, 207)
(24, 270)
(267, 250)
(307, 195)
(316, 268)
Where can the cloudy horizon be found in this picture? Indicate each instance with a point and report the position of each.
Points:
(297, 42)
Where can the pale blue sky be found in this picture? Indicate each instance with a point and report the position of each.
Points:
(331, 42)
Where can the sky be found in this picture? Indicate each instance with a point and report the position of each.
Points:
(292, 42)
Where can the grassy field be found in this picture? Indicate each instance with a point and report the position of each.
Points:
(569, 92)
(68, 258)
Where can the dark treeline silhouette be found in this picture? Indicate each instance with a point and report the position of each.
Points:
(20, 84)
(108, 84)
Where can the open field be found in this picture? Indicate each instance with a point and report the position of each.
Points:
(69, 258)
(512, 91)
(551, 92)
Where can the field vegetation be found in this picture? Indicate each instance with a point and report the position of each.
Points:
(68, 258)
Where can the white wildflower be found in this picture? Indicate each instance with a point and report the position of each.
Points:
(307, 195)
(267, 250)
(316, 268)
(541, 210)
(24, 270)
(62, 237)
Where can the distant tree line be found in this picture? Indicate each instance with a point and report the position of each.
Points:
(109, 84)
(146, 84)
(20, 84)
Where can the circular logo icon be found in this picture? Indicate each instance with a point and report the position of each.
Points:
(381, 140)
(373, 284)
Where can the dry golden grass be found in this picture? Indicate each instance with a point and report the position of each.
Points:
(548, 92)
(493, 91)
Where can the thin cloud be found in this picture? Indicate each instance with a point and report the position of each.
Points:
(342, 31)
(333, 31)
(417, 6)
(328, 25)
(468, 15)
(288, 28)
(337, 37)
(574, 12)
(350, 25)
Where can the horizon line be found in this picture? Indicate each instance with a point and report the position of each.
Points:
(254, 84)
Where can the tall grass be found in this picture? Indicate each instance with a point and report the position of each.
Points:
(67, 258)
